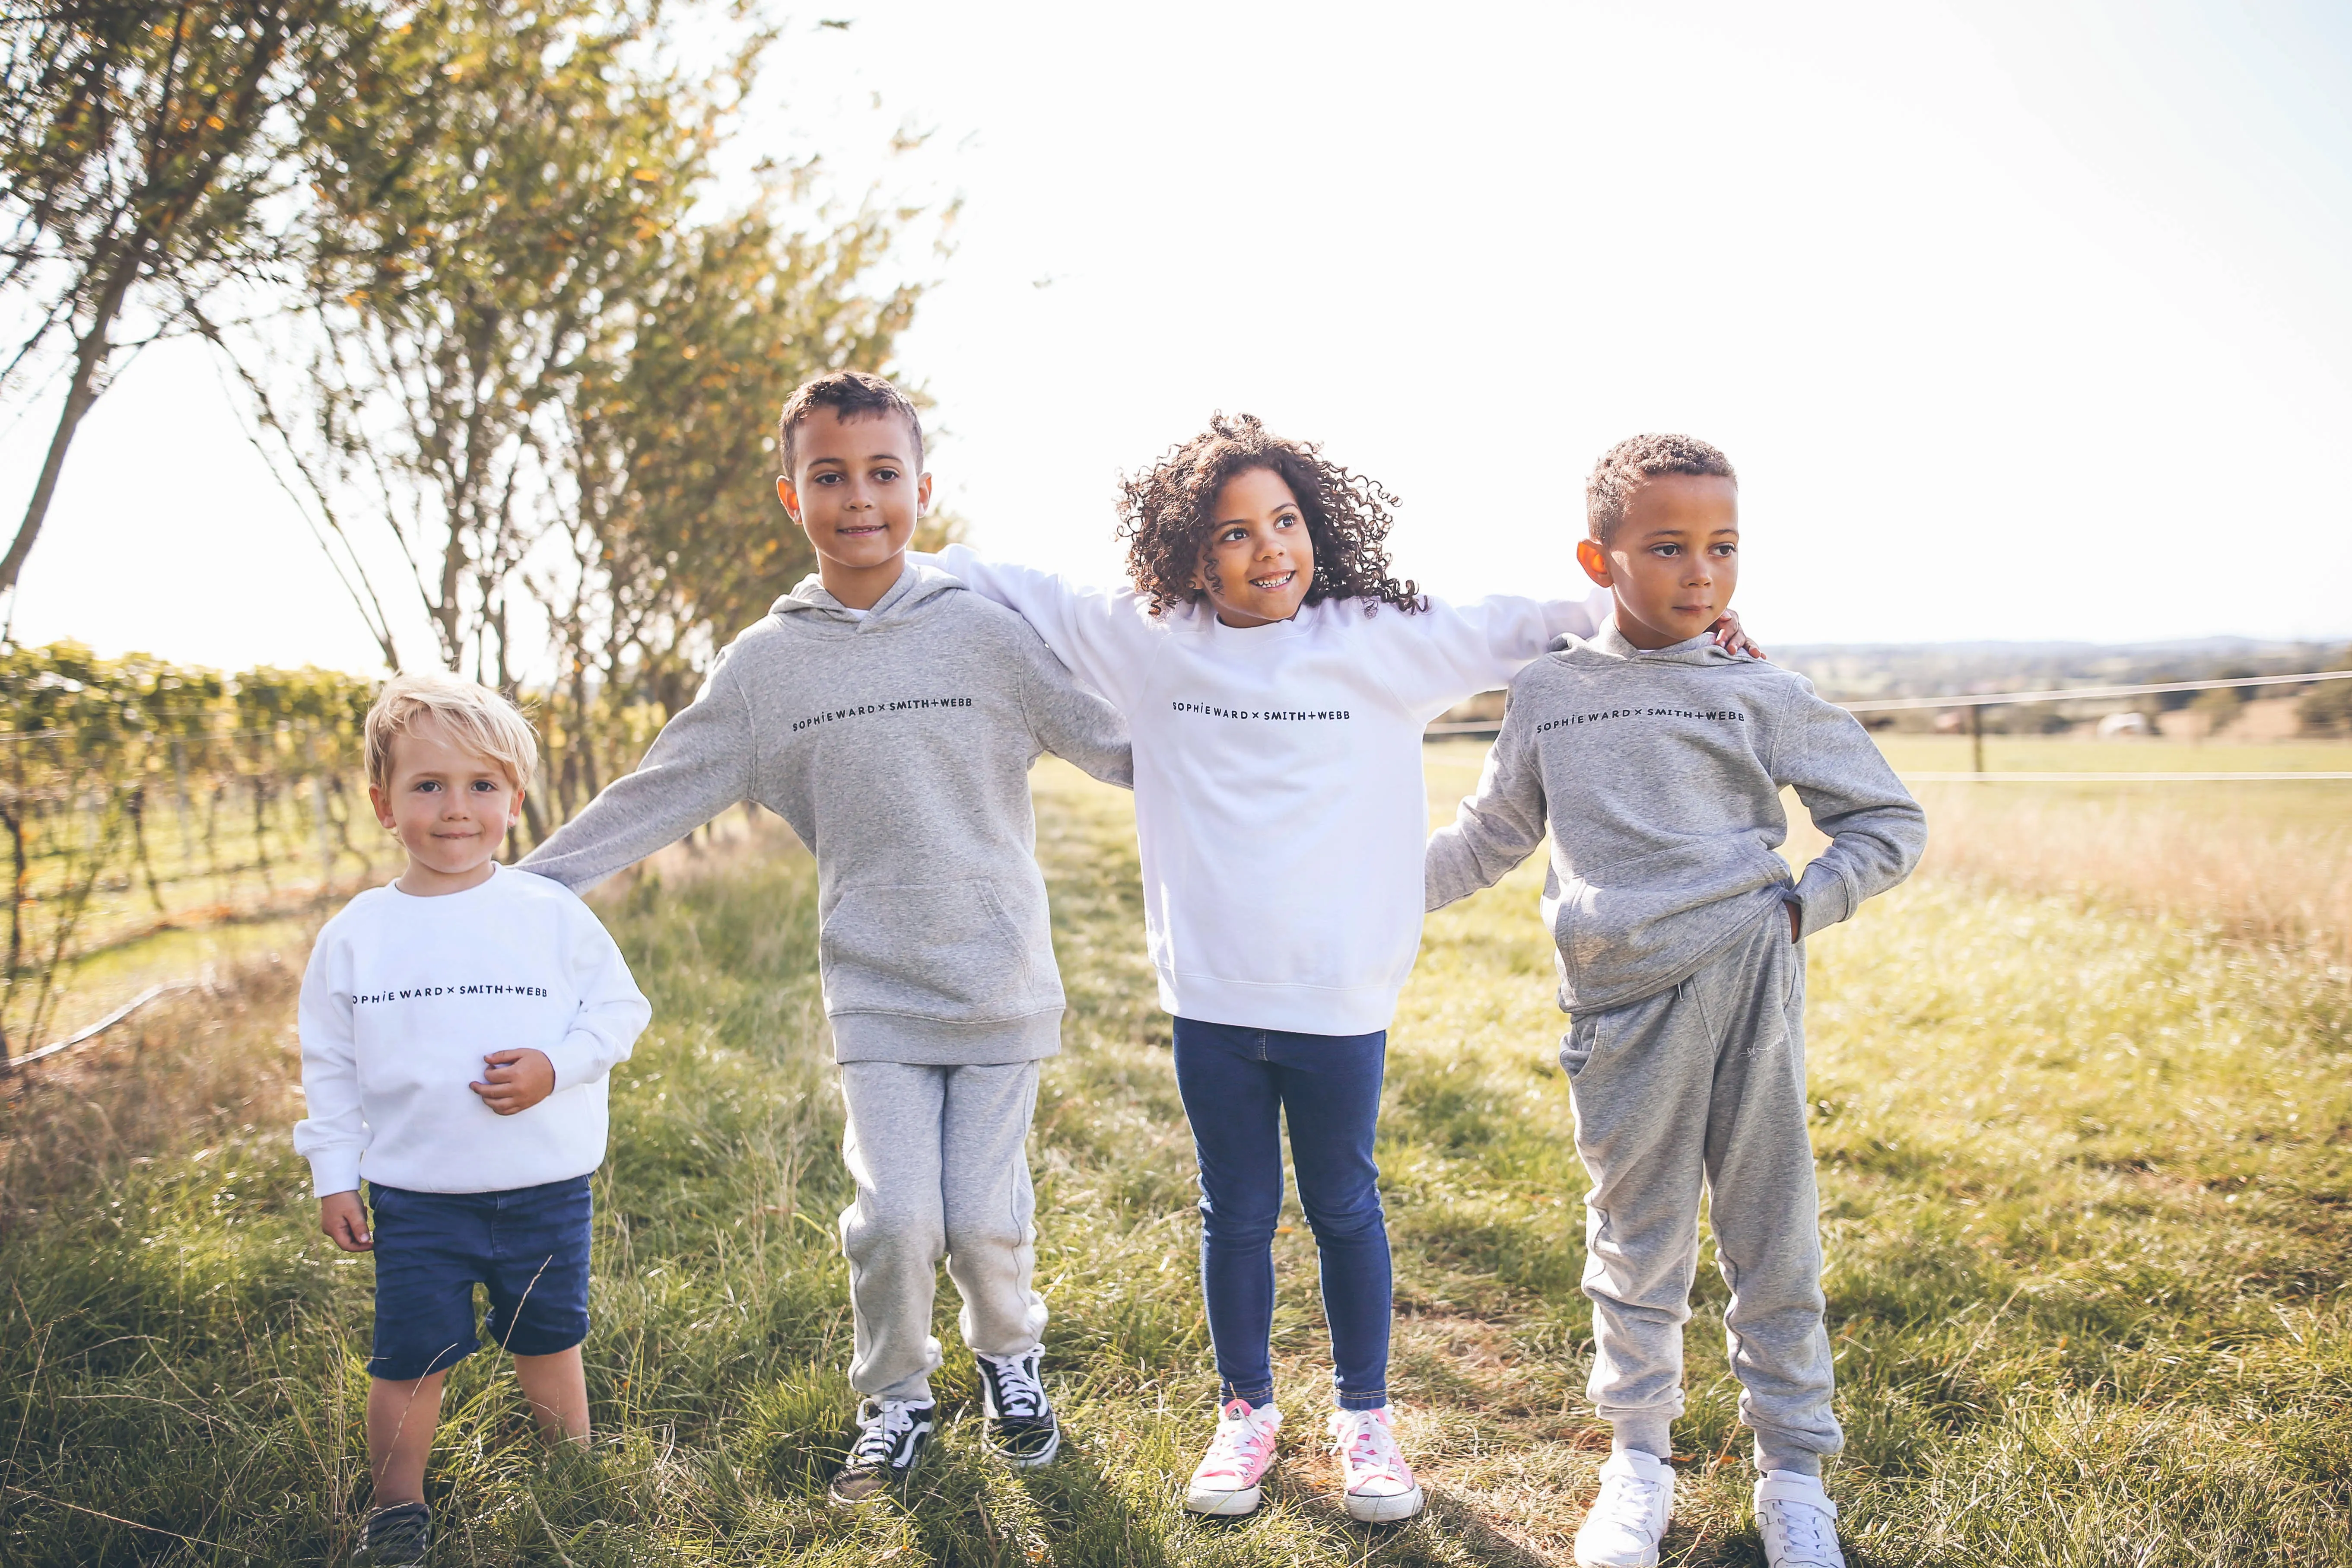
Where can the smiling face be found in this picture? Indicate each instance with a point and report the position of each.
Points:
(1259, 560)
(448, 805)
(1673, 561)
(855, 490)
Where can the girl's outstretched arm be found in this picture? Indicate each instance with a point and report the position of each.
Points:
(1448, 652)
(1103, 635)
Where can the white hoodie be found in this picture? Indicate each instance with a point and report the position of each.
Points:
(1279, 805)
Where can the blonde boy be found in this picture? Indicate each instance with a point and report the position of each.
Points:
(457, 1025)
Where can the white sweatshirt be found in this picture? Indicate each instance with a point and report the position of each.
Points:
(404, 998)
(1279, 805)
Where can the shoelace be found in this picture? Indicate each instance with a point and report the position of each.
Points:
(1236, 1448)
(1370, 1446)
(1018, 1394)
(1627, 1500)
(878, 1435)
(1802, 1524)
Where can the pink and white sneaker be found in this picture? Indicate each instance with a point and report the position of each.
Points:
(1377, 1484)
(1227, 1481)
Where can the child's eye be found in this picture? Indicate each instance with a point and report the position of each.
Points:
(826, 479)
(427, 786)
(886, 476)
(1727, 550)
(485, 786)
(1666, 549)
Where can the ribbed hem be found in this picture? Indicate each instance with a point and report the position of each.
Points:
(1653, 1435)
(943, 1043)
(1797, 1461)
(1377, 1401)
(1256, 1398)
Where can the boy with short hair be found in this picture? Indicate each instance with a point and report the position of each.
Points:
(460, 967)
(891, 717)
(1656, 759)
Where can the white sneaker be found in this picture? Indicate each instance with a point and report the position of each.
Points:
(1376, 1484)
(1227, 1479)
(1798, 1521)
(1631, 1515)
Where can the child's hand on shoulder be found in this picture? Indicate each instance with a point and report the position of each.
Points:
(344, 1219)
(517, 1081)
(1733, 637)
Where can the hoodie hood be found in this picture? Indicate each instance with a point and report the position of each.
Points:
(1607, 645)
(917, 583)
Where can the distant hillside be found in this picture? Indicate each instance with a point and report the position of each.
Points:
(1850, 672)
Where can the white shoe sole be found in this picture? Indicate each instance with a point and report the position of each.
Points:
(1224, 1505)
(1383, 1510)
(1031, 1461)
(1649, 1561)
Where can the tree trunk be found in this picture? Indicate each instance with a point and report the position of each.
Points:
(90, 359)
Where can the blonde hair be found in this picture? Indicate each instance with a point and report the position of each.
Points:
(476, 717)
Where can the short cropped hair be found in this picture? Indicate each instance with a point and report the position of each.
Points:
(1625, 467)
(851, 394)
(476, 717)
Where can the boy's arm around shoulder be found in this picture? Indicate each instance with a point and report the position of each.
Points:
(1497, 827)
(613, 1011)
(1096, 632)
(333, 1134)
(1876, 830)
(1066, 719)
(703, 762)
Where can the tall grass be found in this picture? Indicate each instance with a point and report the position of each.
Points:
(2085, 1192)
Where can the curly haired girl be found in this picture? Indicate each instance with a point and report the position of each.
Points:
(1277, 679)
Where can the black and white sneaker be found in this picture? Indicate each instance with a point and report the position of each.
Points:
(891, 1437)
(1021, 1424)
(397, 1537)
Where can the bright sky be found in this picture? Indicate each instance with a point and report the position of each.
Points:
(2021, 320)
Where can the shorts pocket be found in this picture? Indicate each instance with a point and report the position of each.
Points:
(936, 949)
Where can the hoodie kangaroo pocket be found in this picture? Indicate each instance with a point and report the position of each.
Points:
(938, 949)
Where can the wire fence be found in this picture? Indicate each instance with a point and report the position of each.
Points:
(112, 838)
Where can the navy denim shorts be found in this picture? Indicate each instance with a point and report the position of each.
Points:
(528, 1247)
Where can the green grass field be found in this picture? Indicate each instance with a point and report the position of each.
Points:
(2087, 1177)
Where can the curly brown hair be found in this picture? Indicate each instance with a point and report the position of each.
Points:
(1166, 512)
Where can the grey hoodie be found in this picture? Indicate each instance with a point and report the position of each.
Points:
(897, 745)
(1660, 774)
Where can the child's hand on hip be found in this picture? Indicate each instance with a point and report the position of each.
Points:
(515, 1080)
(344, 1219)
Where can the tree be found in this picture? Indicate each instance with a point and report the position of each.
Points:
(141, 142)
(678, 538)
(490, 181)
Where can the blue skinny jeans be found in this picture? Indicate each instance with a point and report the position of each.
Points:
(1237, 1084)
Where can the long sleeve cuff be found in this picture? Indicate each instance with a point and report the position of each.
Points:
(1823, 897)
(581, 1056)
(335, 1170)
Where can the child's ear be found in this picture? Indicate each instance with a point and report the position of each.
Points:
(1595, 561)
(790, 498)
(383, 804)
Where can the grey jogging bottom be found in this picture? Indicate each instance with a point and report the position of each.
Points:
(1701, 1089)
(940, 1161)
